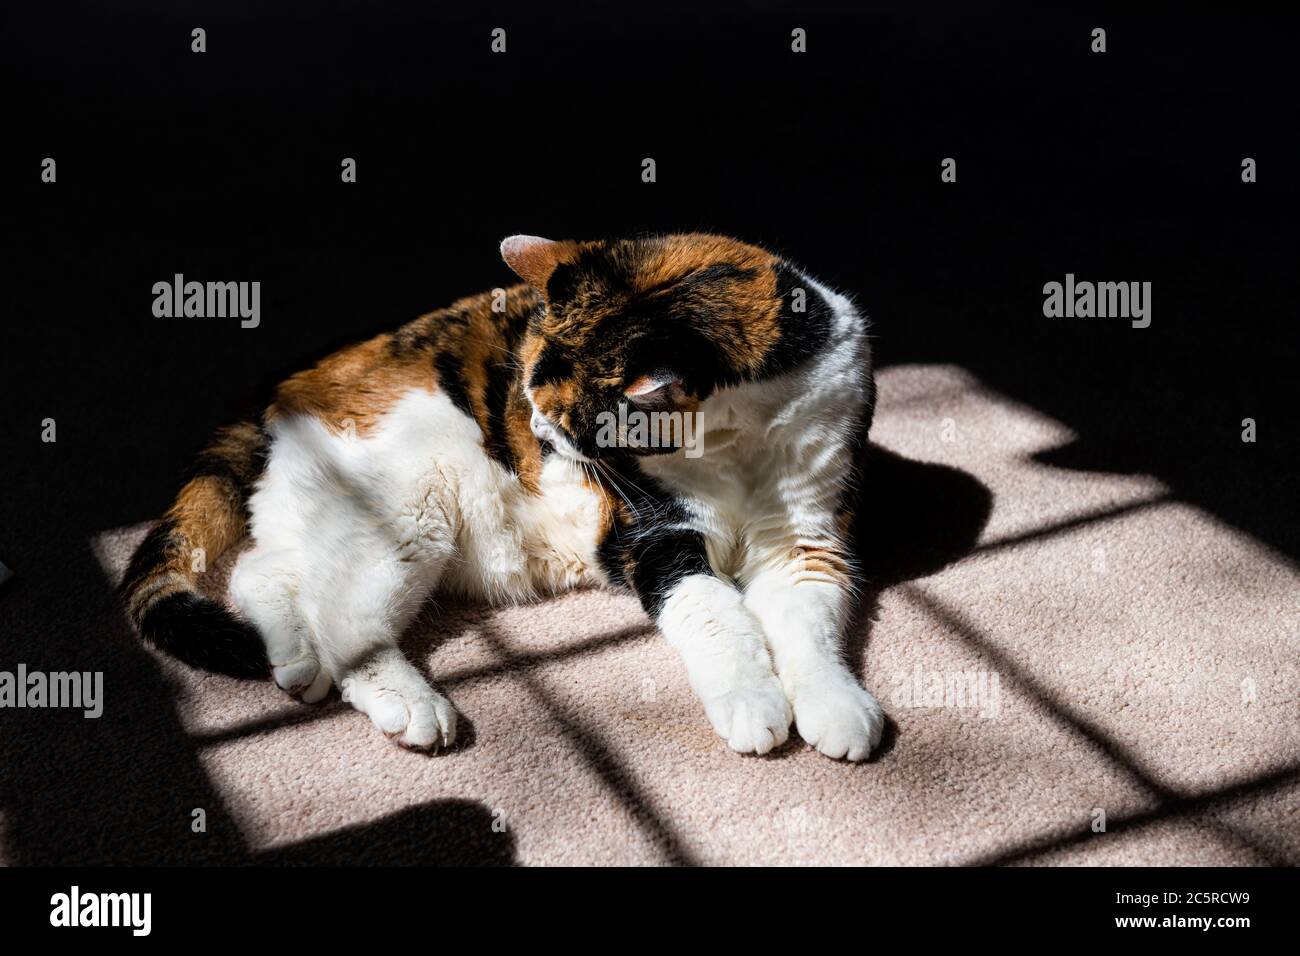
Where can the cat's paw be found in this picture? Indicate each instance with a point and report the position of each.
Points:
(753, 718)
(839, 718)
(303, 678)
(406, 709)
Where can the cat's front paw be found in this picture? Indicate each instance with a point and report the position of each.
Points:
(753, 718)
(839, 718)
(401, 704)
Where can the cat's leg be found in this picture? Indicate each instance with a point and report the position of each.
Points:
(352, 535)
(359, 609)
(720, 642)
(727, 663)
(388, 689)
(265, 582)
(264, 585)
(803, 606)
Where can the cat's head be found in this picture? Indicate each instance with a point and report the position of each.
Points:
(644, 326)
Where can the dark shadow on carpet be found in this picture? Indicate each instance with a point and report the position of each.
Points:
(441, 833)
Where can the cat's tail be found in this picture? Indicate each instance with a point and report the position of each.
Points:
(209, 515)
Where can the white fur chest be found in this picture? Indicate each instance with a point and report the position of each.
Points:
(774, 455)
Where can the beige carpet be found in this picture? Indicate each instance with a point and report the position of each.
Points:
(1117, 652)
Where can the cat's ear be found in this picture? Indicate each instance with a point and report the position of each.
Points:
(658, 392)
(534, 258)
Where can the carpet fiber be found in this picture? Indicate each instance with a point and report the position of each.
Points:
(1057, 651)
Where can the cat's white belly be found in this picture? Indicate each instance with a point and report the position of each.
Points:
(421, 488)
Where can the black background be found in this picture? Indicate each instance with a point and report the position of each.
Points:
(225, 166)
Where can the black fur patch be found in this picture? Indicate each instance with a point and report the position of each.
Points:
(501, 379)
(654, 553)
(201, 633)
(552, 366)
(720, 273)
(803, 334)
(662, 559)
(452, 381)
(599, 267)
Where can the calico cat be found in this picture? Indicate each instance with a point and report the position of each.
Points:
(480, 450)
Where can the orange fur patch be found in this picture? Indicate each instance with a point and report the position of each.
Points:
(352, 389)
(822, 564)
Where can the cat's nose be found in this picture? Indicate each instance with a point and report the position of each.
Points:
(541, 427)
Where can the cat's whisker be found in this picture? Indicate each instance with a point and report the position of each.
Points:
(605, 470)
(635, 487)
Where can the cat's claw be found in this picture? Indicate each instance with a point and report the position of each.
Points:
(839, 718)
(431, 723)
(751, 719)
